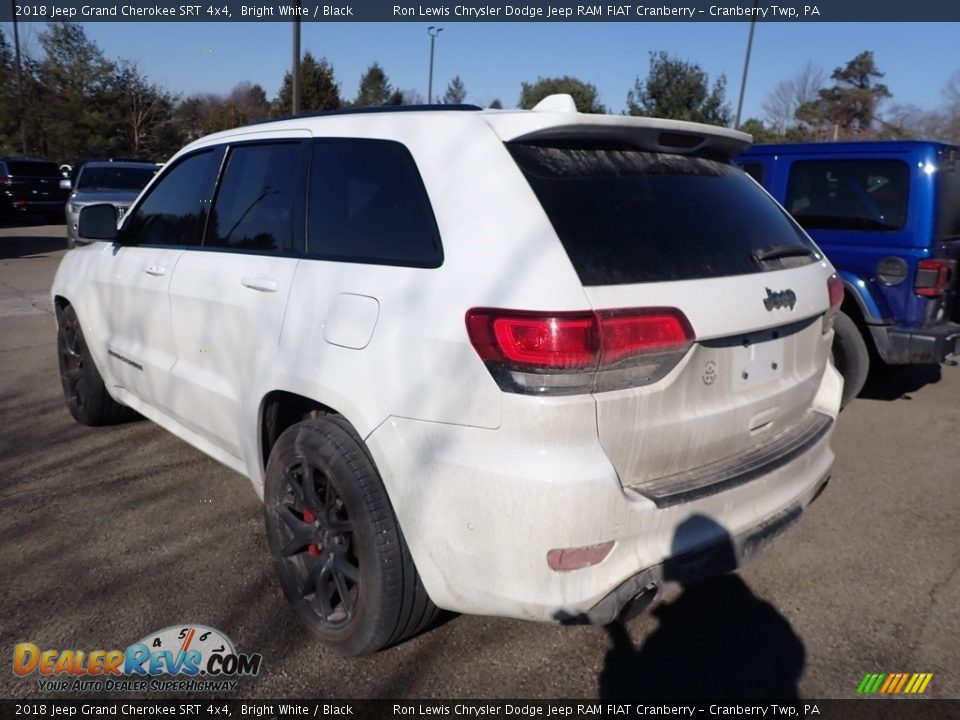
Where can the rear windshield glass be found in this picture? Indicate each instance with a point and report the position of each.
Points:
(948, 215)
(25, 168)
(849, 194)
(629, 216)
(114, 178)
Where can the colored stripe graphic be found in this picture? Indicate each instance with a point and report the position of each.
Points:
(894, 683)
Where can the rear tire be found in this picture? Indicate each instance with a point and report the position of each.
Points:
(86, 395)
(850, 356)
(335, 542)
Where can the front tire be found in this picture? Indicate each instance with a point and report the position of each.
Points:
(850, 356)
(85, 392)
(335, 543)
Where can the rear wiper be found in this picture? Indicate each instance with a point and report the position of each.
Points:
(775, 252)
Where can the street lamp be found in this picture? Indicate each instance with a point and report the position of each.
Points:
(432, 32)
(16, 45)
(746, 66)
(295, 71)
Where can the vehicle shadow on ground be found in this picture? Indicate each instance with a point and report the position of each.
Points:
(17, 246)
(716, 639)
(896, 382)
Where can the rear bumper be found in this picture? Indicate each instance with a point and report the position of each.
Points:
(26, 205)
(481, 509)
(724, 554)
(899, 346)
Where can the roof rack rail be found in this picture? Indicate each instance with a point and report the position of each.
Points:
(370, 110)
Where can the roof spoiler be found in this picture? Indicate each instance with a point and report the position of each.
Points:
(555, 119)
(650, 139)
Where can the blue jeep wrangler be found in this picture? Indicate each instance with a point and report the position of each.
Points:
(887, 215)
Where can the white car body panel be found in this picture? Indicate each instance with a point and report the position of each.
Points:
(483, 482)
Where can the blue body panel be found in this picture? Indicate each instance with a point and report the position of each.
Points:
(855, 253)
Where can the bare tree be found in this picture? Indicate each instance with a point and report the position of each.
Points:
(951, 93)
(782, 103)
(143, 104)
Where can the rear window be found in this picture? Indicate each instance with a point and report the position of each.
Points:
(115, 178)
(849, 194)
(629, 216)
(29, 168)
(948, 215)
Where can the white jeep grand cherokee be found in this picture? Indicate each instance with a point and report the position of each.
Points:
(522, 363)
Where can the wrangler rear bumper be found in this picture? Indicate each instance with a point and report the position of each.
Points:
(900, 346)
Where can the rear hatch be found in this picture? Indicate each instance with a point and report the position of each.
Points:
(682, 228)
(34, 181)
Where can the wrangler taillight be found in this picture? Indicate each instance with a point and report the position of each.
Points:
(835, 292)
(835, 297)
(932, 279)
(6, 181)
(578, 352)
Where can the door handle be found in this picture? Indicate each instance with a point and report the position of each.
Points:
(155, 270)
(262, 284)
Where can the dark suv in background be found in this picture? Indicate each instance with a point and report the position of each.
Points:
(30, 185)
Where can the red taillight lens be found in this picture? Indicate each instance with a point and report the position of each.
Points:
(565, 352)
(549, 342)
(6, 181)
(933, 277)
(835, 291)
(555, 340)
(629, 332)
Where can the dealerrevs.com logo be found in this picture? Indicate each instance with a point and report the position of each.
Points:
(180, 658)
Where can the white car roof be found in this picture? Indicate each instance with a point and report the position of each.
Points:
(552, 119)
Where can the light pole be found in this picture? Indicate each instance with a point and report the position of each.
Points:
(746, 66)
(16, 45)
(295, 72)
(432, 32)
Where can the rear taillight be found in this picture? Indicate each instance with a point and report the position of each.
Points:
(6, 181)
(835, 297)
(578, 352)
(835, 292)
(933, 276)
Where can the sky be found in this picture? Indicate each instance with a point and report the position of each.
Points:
(493, 59)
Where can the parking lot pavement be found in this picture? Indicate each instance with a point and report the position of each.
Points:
(109, 534)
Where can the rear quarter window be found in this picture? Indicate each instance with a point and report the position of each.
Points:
(629, 216)
(849, 194)
(367, 204)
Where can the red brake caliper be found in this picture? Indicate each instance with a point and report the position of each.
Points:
(312, 548)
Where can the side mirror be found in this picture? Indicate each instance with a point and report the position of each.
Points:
(65, 184)
(98, 222)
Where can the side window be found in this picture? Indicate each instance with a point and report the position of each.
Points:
(367, 203)
(849, 194)
(173, 213)
(754, 170)
(255, 205)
